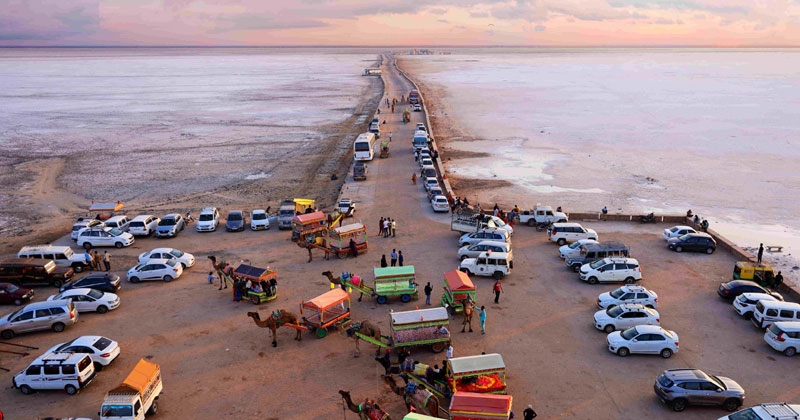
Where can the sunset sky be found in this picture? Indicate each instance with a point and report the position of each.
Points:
(401, 23)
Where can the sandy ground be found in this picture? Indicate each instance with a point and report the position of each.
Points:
(217, 364)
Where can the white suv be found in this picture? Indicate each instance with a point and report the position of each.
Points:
(745, 303)
(474, 251)
(768, 411)
(208, 220)
(67, 371)
(615, 269)
(106, 236)
(784, 336)
(628, 294)
(561, 233)
(495, 264)
(625, 316)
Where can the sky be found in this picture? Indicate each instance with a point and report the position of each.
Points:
(718, 23)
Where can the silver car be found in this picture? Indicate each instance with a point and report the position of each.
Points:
(681, 387)
(55, 315)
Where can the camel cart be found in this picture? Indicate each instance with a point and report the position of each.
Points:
(309, 226)
(330, 309)
(474, 406)
(485, 374)
(457, 288)
(264, 282)
(384, 150)
(420, 327)
(339, 239)
(105, 210)
(389, 281)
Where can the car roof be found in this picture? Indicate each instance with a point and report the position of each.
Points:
(162, 249)
(495, 243)
(207, 210)
(235, 212)
(172, 216)
(739, 283)
(685, 374)
(155, 260)
(76, 290)
(647, 329)
(437, 197)
(621, 259)
(83, 340)
(566, 224)
(632, 307)
(679, 227)
(486, 254)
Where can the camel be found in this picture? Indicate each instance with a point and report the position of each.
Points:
(337, 280)
(422, 399)
(366, 328)
(369, 410)
(273, 322)
(469, 307)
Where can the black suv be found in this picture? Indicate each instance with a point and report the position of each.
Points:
(34, 272)
(104, 282)
(697, 242)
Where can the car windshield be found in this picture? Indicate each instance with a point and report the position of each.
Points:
(674, 229)
(630, 333)
(235, 217)
(115, 231)
(664, 381)
(12, 288)
(167, 222)
(746, 414)
(668, 334)
(259, 216)
(170, 263)
(95, 293)
(206, 217)
(575, 245)
(614, 311)
(617, 293)
(102, 343)
(597, 264)
(58, 296)
(176, 253)
(717, 382)
(65, 345)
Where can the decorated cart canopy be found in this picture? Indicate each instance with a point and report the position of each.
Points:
(325, 310)
(457, 287)
(484, 373)
(473, 406)
(249, 272)
(105, 210)
(421, 327)
(340, 237)
(307, 219)
(395, 280)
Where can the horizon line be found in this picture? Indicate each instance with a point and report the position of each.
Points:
(406, 46)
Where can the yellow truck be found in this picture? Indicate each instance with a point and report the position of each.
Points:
(136, 396)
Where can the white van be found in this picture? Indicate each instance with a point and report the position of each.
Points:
(420, 140)
(143, 225)
(494, 264)
(68, 371)
(63, 256)
(784, 337)
(120, 222)
(767, 313)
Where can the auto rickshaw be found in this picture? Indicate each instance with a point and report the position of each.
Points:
(762, 274)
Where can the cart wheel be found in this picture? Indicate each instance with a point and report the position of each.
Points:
(381, 300)
(437, 347)
(322, 332)
(341, 254)
(405, 298)
(255, 299)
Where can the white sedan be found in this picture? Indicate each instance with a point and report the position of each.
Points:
(186, 259)
(100, 349)
(89, 300)
(625, 316)
(677, 231)
(644, 339)
(439, 203)
(431, 183)
(155, 270)
(574, 247)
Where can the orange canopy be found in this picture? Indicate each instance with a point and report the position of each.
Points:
(327, 299)
(474, 405)
(307, 218)
(139, 379)
(458, 280)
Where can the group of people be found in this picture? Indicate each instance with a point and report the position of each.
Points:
(388, 227)
(96, 262)
(242, 287)
(396, 258)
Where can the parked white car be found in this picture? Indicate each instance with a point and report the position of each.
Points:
(103, 236)
(473, 238)
(425, 162)
(431, 183)
(439, 203)
(574, 248)
(85, 223)
(186, 259)
(561, 233)
(102, 350)
(208, 220)
(677, 231)
(614, 269)
(494, 264)
(643, 339)
(89, 300)
(259, 220)
(632, 293)
(784, 336)
(474, 251)
(745, 303)
(143, 225)
(625, 316)
(166, 270)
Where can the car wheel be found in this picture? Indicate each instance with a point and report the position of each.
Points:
(666, 353)
(678, 249)
(58, 327)
(679, 405)
(630, 280)
(17, 302)
(466, 270)
(497, 275)
(790, 351)
(134, 279)
(98, 367)
(183, 266)
(25, 389)
(623, 352)
(531, 222)
(609, 329)
(102, 309)
(58, 283)
(748, 315)
(464, 257)
(78, 268)
(731, 404)
(709, 250)
(118, 244)
(87, 245)
(7, 334)
(562, 241)
(71, 390)
(576, 268)
(592, 280)
(153, 408)
(167, 279)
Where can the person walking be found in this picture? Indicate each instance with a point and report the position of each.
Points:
(498, 288)
(400, 258)
(428, 290)
(383, 261)
(98, 260)
(449, 352)
(107, 260)
(482, 319)
(414, 178)
(393, 257)
(87, 257)
(394, 227)
(528, 413)
(760, 252)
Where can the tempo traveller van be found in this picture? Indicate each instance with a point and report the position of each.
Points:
(120, 222)
(769, 312)
(143, 225)
(596, 251)
(420, 140)
(63, 256)
(68, 371)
